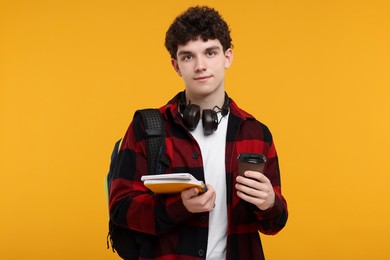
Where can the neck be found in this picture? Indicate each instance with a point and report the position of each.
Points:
(208, 101)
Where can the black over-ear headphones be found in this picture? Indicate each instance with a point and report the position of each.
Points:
(191, 115)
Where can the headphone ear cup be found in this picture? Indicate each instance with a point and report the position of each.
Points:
(225, 107)
(224, 111)
(191, 116)
(210, 121)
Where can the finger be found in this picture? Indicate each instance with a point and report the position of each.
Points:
(256, 176)
(250, 199)
(189, 193)
(210, 187)
(253, 175)
(255, 185)
(245, 196)
(209, 198)
(250, 191)
(249, 182)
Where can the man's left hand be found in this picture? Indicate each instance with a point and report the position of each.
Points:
(256, 188)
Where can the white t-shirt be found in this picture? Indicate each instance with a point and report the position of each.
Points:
(213, 153)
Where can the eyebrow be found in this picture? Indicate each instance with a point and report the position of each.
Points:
(180, 53)
(184, 52)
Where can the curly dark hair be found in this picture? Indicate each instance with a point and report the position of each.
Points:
(198, 21)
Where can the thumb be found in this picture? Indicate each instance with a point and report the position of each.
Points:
(189, 193)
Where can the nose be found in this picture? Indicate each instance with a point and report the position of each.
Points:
(200, 65)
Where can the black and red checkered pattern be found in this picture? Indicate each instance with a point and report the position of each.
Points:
(172, 231)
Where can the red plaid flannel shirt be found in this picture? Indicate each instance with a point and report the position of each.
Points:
(171, 232)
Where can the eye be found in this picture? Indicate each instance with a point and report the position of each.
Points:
(211, 53)
(186, 57)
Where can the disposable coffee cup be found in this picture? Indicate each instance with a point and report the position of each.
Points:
(250, 162)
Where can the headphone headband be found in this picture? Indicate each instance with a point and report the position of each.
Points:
(183, 104)
(225, 107)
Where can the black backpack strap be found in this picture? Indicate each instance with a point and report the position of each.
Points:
(155, 137)
(125, 241)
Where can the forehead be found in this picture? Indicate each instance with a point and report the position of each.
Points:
(199, 45)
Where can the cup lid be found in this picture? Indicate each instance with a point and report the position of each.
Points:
(251, 158)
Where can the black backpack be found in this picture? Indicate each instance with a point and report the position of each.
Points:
(126, 242)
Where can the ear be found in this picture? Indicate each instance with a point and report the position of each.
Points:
(175, 65)
(228, 58)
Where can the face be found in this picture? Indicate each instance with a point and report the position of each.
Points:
(202, 66)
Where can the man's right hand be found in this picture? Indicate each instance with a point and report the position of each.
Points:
(197, 203)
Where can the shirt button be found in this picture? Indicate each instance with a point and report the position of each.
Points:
(201, 252)
(195, 155)
(202, 219)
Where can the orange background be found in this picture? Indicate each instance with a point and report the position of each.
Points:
(73, 72)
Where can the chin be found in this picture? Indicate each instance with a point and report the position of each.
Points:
(203, 91)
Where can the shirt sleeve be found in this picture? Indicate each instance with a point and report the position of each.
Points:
(131, 204)
(273, 219)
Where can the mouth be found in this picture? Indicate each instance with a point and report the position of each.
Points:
(202, 78)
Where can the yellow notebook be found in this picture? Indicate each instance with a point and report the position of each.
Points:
(172, 183)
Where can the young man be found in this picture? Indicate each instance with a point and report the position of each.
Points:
(222, 223)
